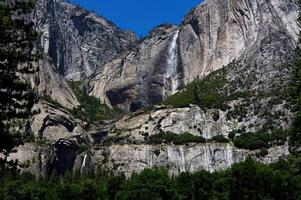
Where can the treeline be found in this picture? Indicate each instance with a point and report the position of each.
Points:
(246, 180)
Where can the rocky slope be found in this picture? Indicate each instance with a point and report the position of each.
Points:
(259, 34)
(78, 41)
(51, 85)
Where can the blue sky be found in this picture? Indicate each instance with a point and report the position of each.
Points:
(140, 15)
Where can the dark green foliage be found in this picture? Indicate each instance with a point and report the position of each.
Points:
(252, 141)
(17, 40)
(220, 139)
(260, 139)
(82, 148)
(168, 137)
(206, 93)
(262, 153)
(231, 135)
(150, 184)
(246, 180)
(295, 100)
(91, 109)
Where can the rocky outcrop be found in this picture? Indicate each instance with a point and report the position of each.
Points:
(260, 34)
(50, 84)
(43, 160)
(78, 41)
(123, 147)
(53, 123)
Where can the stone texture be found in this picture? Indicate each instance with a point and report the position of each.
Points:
(53, 123)
(136, 77)
(33, 157)
(50, 84)
(193, 120)
(129, 159)
(78, 41)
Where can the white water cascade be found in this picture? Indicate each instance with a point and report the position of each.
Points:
(83, 164)
(171, 75)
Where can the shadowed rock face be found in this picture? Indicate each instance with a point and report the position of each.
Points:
(64, 157)
(78, 41)
(260, 34)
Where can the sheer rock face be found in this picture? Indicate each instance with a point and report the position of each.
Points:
(261, 34)
(129, 159)
(52, 85)
(137, 77)
(245, 30)
(78, 41)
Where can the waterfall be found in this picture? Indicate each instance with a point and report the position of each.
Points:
(83, 164)
(171, 75)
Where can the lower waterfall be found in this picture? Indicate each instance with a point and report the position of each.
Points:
(83, 164)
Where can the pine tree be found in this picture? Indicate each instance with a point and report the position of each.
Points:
(17, 41)
(295, 98)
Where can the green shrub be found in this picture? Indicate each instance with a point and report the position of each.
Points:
(90, 109)
(262, 153)
(260, 139)
(220, 139)
(232, 134)
(168, 137)
(278, 136)
(252, 141)
(82, 148)
(188, 138)
(206, 93)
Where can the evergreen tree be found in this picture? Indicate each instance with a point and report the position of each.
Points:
(17, 41)
(295, 98)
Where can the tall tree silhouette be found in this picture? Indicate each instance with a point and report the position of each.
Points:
(17, 41)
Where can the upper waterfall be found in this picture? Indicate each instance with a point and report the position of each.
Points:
(171, 74)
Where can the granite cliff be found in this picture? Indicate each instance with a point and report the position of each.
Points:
(240, 48)
(78, 41)
(259, 34)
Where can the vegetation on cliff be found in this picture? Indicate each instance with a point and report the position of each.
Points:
(206, 93)
(90, 109)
